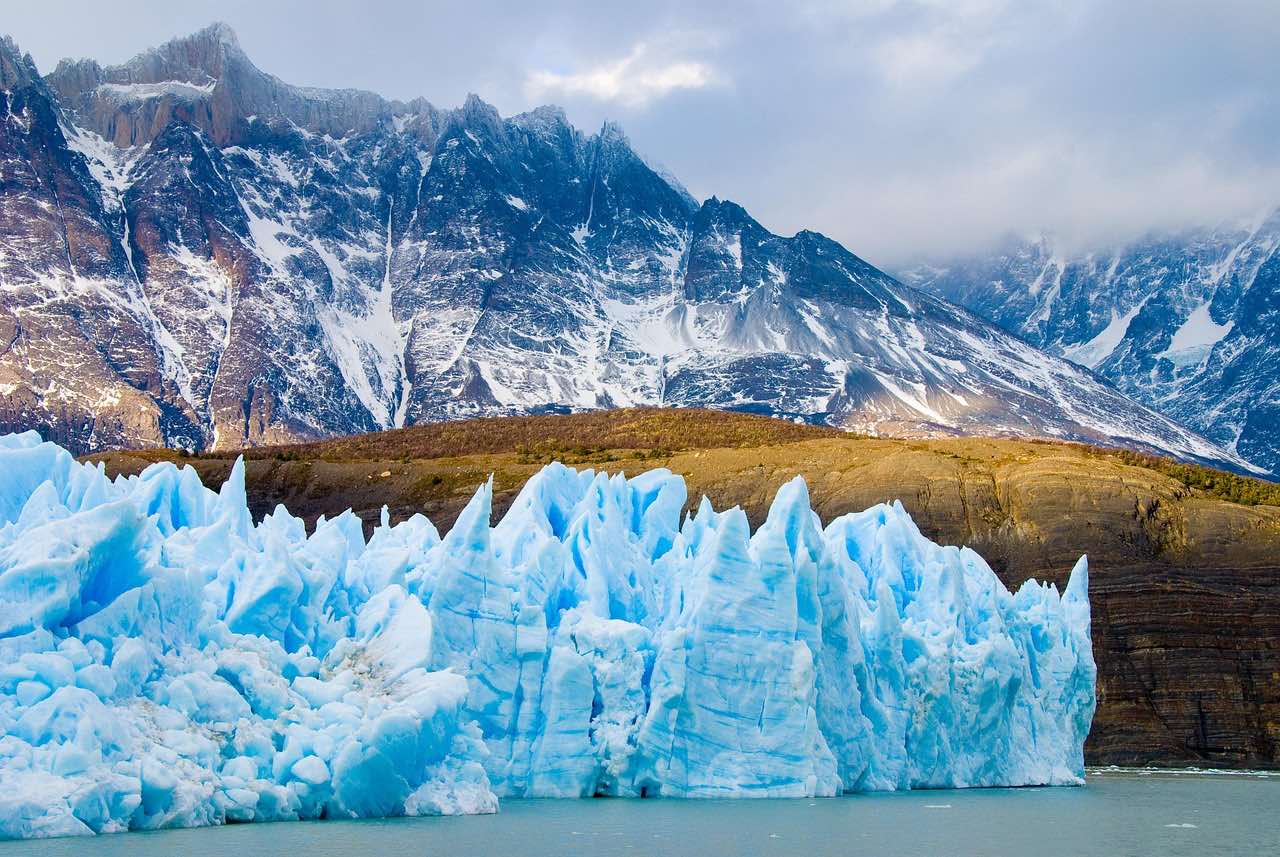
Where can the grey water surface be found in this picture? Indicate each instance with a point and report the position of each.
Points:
(1117, 813)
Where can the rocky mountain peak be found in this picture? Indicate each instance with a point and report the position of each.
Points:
(476, 107)
(546, 121)
(478, 116)
(725, 217)
(206, 79)
(74, 76)
(221, 32)
(201, 58)
(614, 154)
(611, 133)
(16, 68)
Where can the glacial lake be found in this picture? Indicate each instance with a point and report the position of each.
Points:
(1117, 813)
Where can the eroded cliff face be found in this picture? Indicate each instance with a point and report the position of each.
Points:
(204, 80)
(1185, 587)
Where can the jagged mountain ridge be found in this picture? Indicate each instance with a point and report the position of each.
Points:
(195, 253)
(1187, 323)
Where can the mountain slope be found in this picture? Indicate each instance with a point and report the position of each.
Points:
(226, 260)
(1187, 323)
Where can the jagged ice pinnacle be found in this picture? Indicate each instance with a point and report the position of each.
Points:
(167, 662)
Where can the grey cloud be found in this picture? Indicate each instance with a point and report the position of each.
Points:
(903, 129)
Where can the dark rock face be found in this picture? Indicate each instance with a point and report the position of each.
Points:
(75, 356)
(1188, 324)
(1188, 661)
(239, 261)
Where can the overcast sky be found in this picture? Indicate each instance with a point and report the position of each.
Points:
(902, 129)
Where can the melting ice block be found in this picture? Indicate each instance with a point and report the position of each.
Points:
(164, 661)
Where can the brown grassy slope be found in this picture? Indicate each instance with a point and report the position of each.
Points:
(625, 439)
(1185, 584)
(631, 428)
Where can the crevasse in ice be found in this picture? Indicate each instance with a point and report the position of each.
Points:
(165, 661)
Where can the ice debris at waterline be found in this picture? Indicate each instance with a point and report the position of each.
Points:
(165, 662)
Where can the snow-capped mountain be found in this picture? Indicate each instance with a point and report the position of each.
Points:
(1187, 323)
(193, 252)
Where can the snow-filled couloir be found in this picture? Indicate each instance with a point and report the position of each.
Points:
(168, 662)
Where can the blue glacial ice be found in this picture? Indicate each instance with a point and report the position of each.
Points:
(165, 661)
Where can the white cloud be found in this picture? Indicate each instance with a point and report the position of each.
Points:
(938, 42)
(638, 79)
(926, 59)
(904, 128)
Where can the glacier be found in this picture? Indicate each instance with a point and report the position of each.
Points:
(166, 661)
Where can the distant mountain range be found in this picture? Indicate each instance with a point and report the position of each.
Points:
(195, 253)
(1186, 323)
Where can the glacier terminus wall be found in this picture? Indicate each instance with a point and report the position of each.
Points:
(165, 661)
